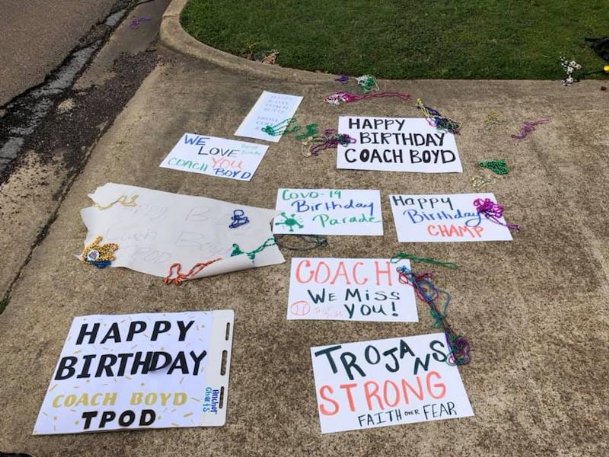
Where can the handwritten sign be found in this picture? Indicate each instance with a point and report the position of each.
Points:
(328, 212)
(214, 156)
(156, 230)
(444, 218)
(135, 371)
(387, 382)
(270, 109)
(396, 144)
(349, 290)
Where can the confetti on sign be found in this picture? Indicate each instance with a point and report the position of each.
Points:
(185, 366)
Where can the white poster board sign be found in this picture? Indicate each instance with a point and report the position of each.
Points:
(444, 218)
(156, 232)
(350, 290)
(132, 371)
(396, 144)
(270, 109)
(328, 212)
(387, 382)
(214, 156)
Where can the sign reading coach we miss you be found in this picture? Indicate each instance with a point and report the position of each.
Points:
(349, 289)
(396, 144)
(138, 371)
(387, 382)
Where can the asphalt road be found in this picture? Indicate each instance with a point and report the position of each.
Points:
(37, 35)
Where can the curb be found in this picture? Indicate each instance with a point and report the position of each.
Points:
(175, 37)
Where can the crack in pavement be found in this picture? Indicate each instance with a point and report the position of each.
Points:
(22, 115)
(54, 129)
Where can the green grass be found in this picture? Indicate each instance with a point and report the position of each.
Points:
(503, 39)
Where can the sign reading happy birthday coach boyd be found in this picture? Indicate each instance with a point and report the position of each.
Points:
(134, 371)
(396, 144)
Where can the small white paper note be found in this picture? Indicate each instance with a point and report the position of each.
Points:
(140, 371)
(328, 212)
(396, 144)
(387, 382)
(156, 231)
(214, 156)
(349, 290)
(270, 109)
(444, 219)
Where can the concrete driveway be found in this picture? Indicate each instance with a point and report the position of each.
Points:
(534, 309)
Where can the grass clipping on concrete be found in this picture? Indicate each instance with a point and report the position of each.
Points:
(497, 39)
